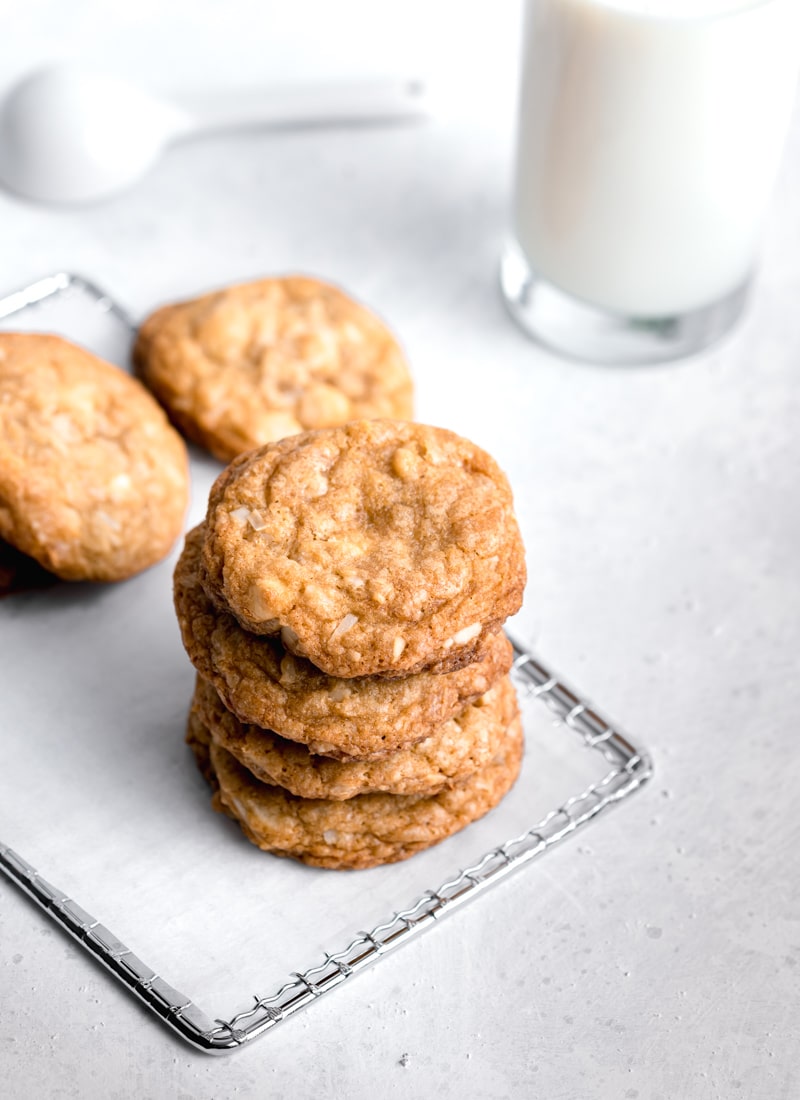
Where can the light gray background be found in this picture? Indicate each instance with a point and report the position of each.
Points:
(656, 957)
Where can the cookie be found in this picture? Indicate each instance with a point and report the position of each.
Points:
(266, 685)
(376, 548)
(455, 750)
(256, 362)
(364, 831)
(93, 480)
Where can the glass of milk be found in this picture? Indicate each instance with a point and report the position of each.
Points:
(650, 135)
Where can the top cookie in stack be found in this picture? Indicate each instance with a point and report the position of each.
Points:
(346, 593)
(378, 548)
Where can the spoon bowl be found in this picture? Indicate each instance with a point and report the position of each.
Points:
(72, 135)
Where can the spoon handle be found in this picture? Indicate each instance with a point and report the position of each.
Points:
(380, 100)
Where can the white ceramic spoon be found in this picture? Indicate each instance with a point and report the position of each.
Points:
(68, 134)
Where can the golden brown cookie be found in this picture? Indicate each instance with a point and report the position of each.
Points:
(364, 831)
(455, 750)
(263, 360)
(93, 480)
(266, 685)
(379, 547)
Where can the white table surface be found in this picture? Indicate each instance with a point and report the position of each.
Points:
(657, 956)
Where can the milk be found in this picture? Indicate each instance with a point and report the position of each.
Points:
(650, 134)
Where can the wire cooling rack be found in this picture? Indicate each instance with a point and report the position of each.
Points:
(622, 768)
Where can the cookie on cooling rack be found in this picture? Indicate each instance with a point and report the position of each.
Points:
(363, 831)
(375, 548)
(262, 360)
(93, 479)
(265, 685)
(454, 751)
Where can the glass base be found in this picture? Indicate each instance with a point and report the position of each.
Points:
(587, 332)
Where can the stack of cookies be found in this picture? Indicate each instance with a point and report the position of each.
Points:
(342, 604)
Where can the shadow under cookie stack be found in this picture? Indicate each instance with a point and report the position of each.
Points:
(342, 604)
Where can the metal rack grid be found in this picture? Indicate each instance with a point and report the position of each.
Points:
(630, 767)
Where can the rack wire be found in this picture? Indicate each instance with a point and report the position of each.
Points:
(628, 768)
